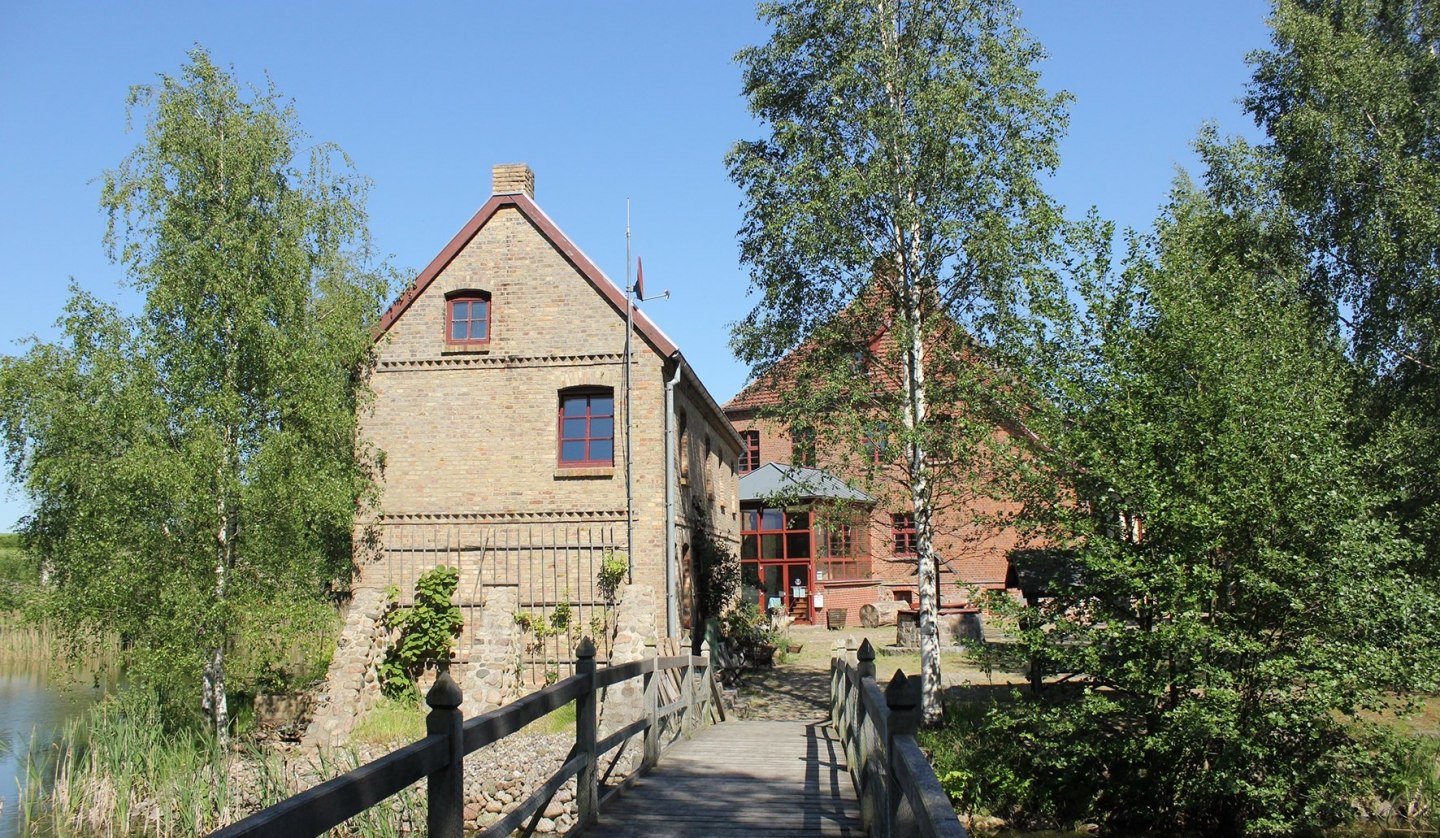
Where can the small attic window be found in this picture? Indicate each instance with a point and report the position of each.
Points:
(467, 318)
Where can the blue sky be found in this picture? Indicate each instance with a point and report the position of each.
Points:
(605, 101)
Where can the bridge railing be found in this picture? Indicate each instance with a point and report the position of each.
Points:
(675, 686)
(900, 796)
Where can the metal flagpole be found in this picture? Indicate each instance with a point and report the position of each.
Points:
(629, 471)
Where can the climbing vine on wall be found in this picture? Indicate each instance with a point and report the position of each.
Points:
(717, 574)
(426, 631)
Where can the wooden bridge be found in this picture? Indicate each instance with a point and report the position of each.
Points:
(858, 773)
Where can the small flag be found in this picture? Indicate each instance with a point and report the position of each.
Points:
(639, 279)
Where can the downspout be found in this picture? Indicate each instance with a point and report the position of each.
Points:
(672, 614)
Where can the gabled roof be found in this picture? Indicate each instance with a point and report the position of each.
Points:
(774, 479)
(536, 216)
(759, 393)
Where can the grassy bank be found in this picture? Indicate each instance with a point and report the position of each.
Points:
(117, 771)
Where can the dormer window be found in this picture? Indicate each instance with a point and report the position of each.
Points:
(467, 318)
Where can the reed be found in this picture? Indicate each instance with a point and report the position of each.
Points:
(21, 640)
(34, 647)
(116, 772)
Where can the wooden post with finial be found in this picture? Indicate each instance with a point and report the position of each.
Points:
(902, 696)
(587, 791)
(445, 803)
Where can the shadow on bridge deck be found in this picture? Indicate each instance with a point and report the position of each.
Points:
(751, 778)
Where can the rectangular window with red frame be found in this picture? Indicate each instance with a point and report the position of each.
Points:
(467, 318)
(750, 453)
(902, 530)
(587, 428)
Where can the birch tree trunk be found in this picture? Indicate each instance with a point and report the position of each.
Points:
(212, 682)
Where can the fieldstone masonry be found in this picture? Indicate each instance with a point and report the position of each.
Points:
(635, 638)
(490, 680)
(352, 683)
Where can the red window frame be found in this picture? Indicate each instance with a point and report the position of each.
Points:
(876, 441)
(791, 522)
(471, 324)
(750, 456)
(585, 425)
(903, 533)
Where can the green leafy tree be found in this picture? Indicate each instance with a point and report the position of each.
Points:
(19, 576)
(895, 199)
(197, 460)
(1235, 598)
(1350, 97)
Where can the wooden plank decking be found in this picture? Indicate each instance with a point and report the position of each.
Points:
(750, 778)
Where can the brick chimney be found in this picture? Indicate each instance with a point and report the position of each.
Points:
(512, 178)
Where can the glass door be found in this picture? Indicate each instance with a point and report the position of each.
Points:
(797, 591)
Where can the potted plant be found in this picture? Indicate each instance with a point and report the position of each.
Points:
(750, 635)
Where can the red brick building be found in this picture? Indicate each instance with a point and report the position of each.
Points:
(846, 547)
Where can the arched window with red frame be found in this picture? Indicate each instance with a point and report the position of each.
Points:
(467, 317)
(587, 427)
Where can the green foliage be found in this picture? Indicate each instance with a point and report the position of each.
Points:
(19, 575)
(746, 631)
(192, 463)
(283, 646)
(717, 575)
(1350, 98)
(1234, 598)
(614, 567)
(425, 631)
(896, 229)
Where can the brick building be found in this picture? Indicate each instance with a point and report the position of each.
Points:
(811, 542)
(499, 417)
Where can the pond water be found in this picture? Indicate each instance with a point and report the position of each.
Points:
(36, 699)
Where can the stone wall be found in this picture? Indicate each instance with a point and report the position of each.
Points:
(490, 680)
(635, 638)
(352, 683)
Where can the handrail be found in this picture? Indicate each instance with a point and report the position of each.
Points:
(440, 755)
(900, 796)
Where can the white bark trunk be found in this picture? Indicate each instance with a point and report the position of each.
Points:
(908, 267)
(212, 684)
(928, 574)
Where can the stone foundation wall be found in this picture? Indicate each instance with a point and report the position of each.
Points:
(351, 684)
(635, 638)
(489, 679)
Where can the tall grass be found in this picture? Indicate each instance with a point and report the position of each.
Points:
(392, 721)
(1414, 787)
(35, 650)
(116, 771)
(22, 640)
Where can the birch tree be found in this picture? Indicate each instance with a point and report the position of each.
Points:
(895, 226)
(1349, 95)
(198, 462)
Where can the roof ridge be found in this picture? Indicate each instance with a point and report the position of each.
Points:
(557, 238)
